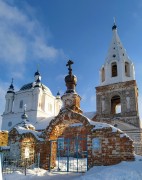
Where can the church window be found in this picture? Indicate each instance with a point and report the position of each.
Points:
(103, 74)
(114, 48)
(115, 105)
(127, 69)
(21, 104)
(9, 123)
(96, 144)
(114, 55)
(114, 69)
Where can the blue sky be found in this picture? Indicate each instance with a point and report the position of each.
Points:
(49, 32)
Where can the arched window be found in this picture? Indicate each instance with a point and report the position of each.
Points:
(21, 104)
(114, 69)
(115, 105)
(127, 69)
(103, 74)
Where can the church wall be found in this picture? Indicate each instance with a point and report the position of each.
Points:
(114, 147)
(27, 99)
(127, 91)
(121, 77)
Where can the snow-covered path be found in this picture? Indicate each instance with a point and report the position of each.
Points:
(43, 175)
(123, 171)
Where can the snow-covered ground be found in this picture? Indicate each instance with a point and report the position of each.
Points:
(122, 171)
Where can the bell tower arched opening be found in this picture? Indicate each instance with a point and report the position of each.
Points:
(116, 104)
(114, 69)
(127, 69)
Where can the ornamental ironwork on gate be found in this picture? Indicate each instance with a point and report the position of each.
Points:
(70, 154)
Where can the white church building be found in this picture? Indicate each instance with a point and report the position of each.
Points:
(38, 100)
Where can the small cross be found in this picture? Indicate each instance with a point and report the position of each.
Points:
(38, 67)
(114, 19)
(69, 63)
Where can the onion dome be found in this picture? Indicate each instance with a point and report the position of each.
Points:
(70, 79)
(11, 88)
(25, 122)
(24, 116)
(58, 95)
(114, 27)
(37, 75)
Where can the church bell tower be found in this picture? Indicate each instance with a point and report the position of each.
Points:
(117, 94)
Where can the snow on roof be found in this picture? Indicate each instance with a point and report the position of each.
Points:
(22, 130)
(42, 124)
(90, 115)
(100, 125)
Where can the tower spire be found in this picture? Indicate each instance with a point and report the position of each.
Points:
(11, 87)
(37, 75)
(114, 27)
(117, 67)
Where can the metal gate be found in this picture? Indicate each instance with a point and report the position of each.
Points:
(11, 165)
(71, 154)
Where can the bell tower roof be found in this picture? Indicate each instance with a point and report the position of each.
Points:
(116, 51)
(11, 87)
(117, 67)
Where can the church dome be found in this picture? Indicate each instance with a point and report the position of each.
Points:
(31, 86)
(71, 79)
(37, 73)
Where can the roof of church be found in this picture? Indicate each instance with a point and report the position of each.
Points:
(22, 130)
(27, 86)
(116, 51)
(42, 124)
(31, 85)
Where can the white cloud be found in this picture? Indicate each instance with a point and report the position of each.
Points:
(22, 37)
(43, 51)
